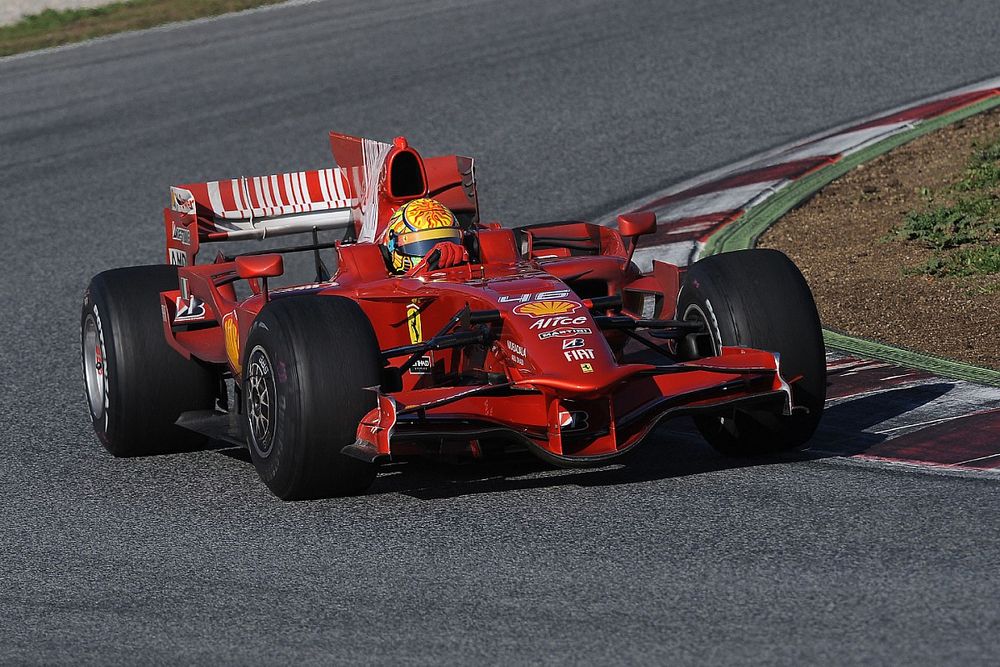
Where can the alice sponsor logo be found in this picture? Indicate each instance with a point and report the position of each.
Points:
(538, 309)
(549, 322)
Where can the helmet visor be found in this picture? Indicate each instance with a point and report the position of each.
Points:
(421, 242)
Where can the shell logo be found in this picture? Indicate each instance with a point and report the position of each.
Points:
(232, 332)
(546, 308)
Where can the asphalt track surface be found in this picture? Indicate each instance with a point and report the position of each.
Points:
(571, 108)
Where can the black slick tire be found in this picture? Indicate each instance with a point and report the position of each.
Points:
(137, 385)
(309, 365)
(758, 298)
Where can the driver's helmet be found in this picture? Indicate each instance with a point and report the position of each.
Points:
(415, 229)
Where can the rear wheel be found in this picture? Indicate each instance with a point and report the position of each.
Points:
(307, 374)
(758, 298)
(137, 385)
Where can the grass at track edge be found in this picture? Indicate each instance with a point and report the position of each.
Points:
(745, 231)
(51, 27)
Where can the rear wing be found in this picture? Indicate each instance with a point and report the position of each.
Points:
(255, 208)
(358, 196)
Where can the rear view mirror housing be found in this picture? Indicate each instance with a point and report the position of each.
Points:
(259, 266)
(636, 224)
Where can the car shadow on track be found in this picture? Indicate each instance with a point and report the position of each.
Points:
(677, 451)
(846, 429)
(673, 450)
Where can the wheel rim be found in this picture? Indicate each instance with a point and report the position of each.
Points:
(260, 401)
(695, 313)
(95, 368)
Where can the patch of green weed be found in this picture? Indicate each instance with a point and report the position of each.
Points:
(964, 230)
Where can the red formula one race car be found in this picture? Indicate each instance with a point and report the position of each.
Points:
(436, 334)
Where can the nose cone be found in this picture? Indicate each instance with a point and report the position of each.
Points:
(558, 341)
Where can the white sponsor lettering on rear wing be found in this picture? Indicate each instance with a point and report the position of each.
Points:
(261, 206)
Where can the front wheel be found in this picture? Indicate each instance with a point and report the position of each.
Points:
(308, 374)
(759, 299)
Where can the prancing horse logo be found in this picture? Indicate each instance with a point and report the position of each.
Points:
(413, 323)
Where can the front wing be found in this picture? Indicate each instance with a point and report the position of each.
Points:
(572, 428)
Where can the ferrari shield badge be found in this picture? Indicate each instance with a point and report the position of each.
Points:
(232, 334)
(413, 324)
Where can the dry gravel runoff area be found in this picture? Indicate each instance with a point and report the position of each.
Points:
(866, 277)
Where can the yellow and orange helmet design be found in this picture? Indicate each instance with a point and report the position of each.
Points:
(416, 228)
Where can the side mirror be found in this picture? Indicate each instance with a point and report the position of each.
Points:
(259, 266)
(634, 225)
(253, 267)
(637, 224)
